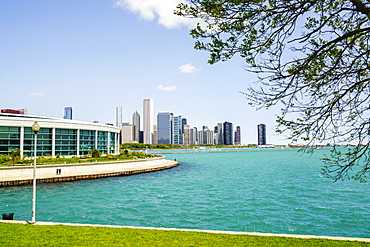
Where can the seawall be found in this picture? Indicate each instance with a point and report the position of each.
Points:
(13, 176)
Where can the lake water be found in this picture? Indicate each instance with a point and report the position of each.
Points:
(275, 191)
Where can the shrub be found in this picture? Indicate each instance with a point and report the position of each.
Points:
(4, 158)
(95, 153)
(15, 155)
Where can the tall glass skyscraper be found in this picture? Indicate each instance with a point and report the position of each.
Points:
(220, 134)
(237, 136)
(228, 131)
(261, 134)
(177, 130)
(119, 116)
(68, 113)
(148, 112)
(164, 127)
(136, 124)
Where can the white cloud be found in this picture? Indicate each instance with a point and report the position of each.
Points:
(36, 94)
(161, 10)
(187, 68)
(166, 89)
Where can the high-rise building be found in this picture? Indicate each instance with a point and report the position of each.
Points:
(215, 130)
(148, 112)
(141, 136)
(196, 135)
(68, 113)
(155, 134)
(184, 122)
(261, 134)
(228, 131)
(238, 140)
(136, 124)
(164, 127)
(127, 133)
(220, 134)
(205, 137)
(119, 116)
(189, 135)
(177, 130)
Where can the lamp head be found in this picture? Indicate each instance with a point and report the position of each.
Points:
(35, 127)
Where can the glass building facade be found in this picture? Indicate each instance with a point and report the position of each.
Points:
(164, 127)
(56, 137)
(261, 128)
(66, 142)
(44, 142)
(68, 113)
(9, 139)
(228, 131)
(177, 129)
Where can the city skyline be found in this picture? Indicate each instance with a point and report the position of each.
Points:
(170, 129)
(97, 55)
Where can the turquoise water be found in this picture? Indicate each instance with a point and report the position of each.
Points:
(272, 191)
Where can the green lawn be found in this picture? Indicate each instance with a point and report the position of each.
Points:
(58, 235)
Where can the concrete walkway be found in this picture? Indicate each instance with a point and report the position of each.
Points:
(196, 230)
(11, 176)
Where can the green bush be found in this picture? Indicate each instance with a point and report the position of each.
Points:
(95, 153)
(4, 158)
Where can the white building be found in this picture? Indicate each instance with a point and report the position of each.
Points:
(119, 116)
(205, 137)
(148, 120)
(189, 135)
(56, 136)
(127, 133)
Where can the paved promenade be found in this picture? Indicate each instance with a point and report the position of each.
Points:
(196, 230)
(12, 176)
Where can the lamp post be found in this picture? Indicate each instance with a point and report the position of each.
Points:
(35, 129)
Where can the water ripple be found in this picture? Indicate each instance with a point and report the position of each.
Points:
(278, 192)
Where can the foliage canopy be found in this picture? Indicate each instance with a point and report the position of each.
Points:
(312, 58)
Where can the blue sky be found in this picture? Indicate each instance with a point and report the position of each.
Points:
(95, 55)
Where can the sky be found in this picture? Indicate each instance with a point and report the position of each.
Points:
(95, 55)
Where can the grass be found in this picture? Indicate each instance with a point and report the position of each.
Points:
(58, 235)
(86, 159)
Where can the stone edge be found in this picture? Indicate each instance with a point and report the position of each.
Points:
(89, 176)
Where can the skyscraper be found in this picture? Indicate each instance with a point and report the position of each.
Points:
(148, 112)
(205, 137)
(220, 134)
(184, 122)
(196, 135)
(68, 113)
(164, 127)
(155, 134)
(228, 131)
(136, 124)
(119, 116)
(189, 135)
(238, 140)
(127, 133)
(261, 134)
(177, 130)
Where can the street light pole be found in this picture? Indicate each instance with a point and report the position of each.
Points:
(35, 129)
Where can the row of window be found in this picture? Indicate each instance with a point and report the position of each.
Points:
(65, 141)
